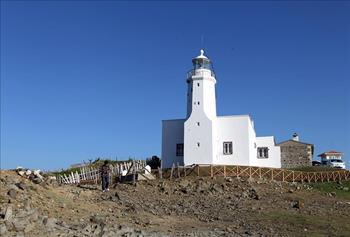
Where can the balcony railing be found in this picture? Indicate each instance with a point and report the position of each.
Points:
(199, 72)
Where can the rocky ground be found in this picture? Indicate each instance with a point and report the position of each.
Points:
(183, 207)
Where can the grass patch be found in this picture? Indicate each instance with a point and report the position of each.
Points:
(340, 188)
(315, 169)
(294, 223)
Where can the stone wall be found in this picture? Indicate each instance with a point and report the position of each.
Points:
(296, 154)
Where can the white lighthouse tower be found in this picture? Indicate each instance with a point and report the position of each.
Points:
(204, 138)
(200, 126)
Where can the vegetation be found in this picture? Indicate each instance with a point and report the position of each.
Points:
(308, 223)
(154, 162)
(315, 169)
(342, 189)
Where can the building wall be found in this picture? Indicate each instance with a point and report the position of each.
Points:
(274, 158)
(172, 134)
(200, 127)
(198, 140)
(325, 158)
(295, 154)
(233, 129)
(237, 129)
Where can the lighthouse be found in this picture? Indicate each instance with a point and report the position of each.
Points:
(204, 138)
(199, 128)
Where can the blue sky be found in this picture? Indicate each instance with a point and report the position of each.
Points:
(81, 80)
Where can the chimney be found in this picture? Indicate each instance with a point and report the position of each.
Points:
(295, 137)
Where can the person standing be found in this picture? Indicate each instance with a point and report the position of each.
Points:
(105, 170)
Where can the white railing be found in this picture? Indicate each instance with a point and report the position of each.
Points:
(90, 173)
(200, 72)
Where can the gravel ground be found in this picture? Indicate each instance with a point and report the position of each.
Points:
(183, 207)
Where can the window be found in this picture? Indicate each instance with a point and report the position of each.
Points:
(198, 84)
(198, 123)
(180, 149)
(263, 152)
(227, 148)
(198, 144)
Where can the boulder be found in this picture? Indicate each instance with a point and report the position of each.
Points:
(298, 204)
(21, 173)
(251, 193)
(29, 227)
(28, 172)
(20, 224)
(37, 180)
(3, 229)
(8, 213)
(21, 185)
(37, 174)
(12, 193)
(50, 222)
(97, 219)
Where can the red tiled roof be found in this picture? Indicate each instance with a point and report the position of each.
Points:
(330, 152)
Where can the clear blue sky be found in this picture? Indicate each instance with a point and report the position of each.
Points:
(81, 80)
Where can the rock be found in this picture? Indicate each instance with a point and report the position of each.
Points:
(27, 205)
(298, 204)
(12, 193)
(20, 224)
(28, 172)
(251, 193)
(50, 222)
(3, 229)
(97, 219)
(37, 173)
(37, 180)
(8, 213)
(21, 173)
(184, 190)
(216, 188)
(21, 185)
(345, 188)
(117, 195)
(12, 186)
(184, 183)
(228, 179)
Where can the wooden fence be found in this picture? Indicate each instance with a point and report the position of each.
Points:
(91, 174)
(254, 172)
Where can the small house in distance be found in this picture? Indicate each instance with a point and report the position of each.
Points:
(295, 153)
(330, 155)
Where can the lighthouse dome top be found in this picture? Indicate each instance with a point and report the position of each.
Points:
(202, 54)
(201, 61)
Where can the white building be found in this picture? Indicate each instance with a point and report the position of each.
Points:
(330, 155)
(205, 138)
